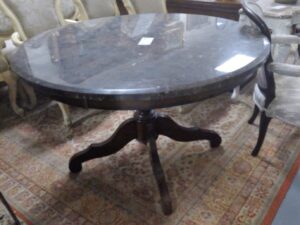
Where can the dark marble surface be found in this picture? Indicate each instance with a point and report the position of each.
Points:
(99, 64)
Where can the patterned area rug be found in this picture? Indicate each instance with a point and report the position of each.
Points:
(221, 186)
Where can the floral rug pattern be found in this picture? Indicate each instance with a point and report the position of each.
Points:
(208, 186)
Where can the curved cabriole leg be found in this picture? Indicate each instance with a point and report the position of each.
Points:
(167, 127)
(254, 115)
(160, 178)
(65, 110)
(126, 132)
(146, 126)
(30, 93)
(11, 82)
(263, 127)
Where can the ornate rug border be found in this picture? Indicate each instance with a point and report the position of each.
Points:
(272, 211)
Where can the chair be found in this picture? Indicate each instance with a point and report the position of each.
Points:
(11, 80)
(68, 9)
(277, 24)
(6, 29)
(145, 6)
(91, 9)
(31, 19)
(283, 102)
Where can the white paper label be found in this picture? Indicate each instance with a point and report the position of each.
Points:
(234, 63)
(146, 41)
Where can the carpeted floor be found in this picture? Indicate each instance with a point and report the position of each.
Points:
(221, 186)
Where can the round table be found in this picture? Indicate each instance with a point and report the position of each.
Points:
(141, 62)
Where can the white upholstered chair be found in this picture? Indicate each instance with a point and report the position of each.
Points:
(280, 22)
(11, 80)
(30, 18)
(282, 102)
(145, 6)
(277, 90)
(91, 9)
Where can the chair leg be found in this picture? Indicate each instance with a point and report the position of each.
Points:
(65, 109)
(254, 115)
(12, 92)
(30, 93)
(9, 209)
(263, 127)
(21, 93)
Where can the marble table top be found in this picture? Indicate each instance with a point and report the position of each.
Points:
(143, 61)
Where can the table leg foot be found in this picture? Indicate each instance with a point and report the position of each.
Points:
(126, 132)
(75, 166)
(168, 127)
(215, 142)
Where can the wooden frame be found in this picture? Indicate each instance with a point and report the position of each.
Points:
(11, 80)
(84, 15)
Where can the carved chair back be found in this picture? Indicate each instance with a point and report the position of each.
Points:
(6, 28)
(265, 78)
(91, 9)
(68, 9)
(31, 17)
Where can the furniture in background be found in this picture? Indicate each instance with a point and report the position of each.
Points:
(111, 77)
(145, 6)
(6, 29)
(271, 8)
(29, 20)
(91, 9)
(280, 24)
(278, 17)
(220, 8)
(11, 80)
(284, 102)
(68, 9)
(286, 1)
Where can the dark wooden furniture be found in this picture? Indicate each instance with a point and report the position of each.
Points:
(103, 64)
(220, 8)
